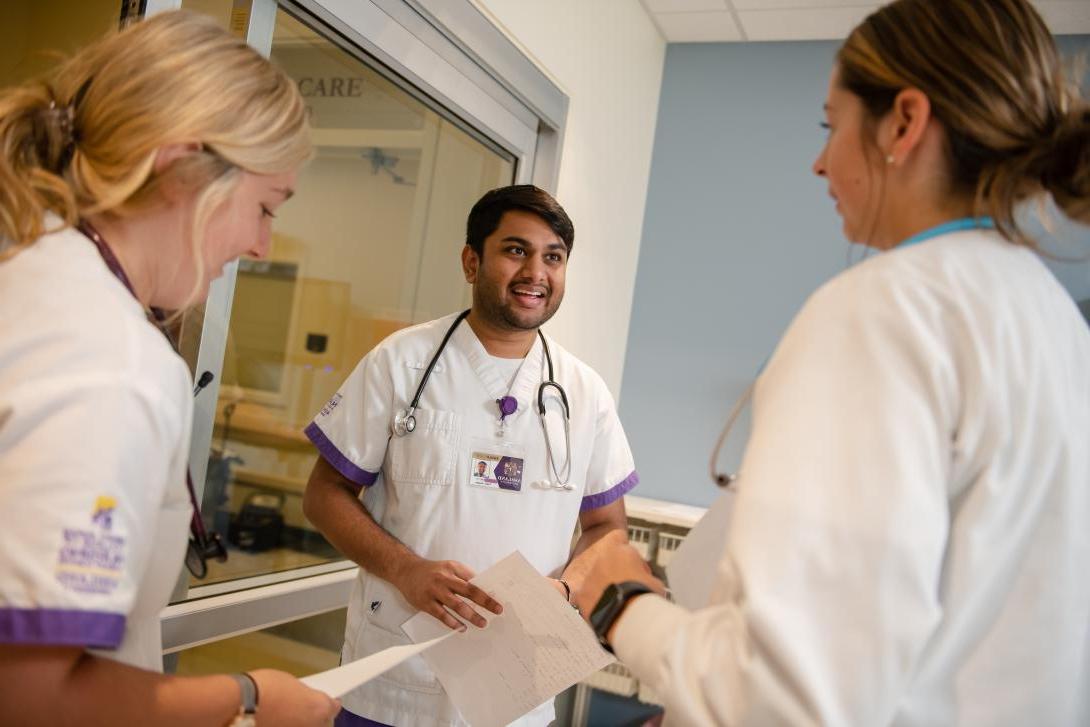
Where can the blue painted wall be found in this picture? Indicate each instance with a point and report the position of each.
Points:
(737, 233)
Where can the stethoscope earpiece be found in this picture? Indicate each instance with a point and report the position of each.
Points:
(546, 485)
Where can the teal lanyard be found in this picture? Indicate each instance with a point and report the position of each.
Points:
(965, 223)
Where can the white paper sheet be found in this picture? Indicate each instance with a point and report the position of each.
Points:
(538, 647)
(693, 570)
(344, 679)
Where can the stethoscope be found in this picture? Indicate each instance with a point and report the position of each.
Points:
(405, 420)
(724, 479)
(727, 480)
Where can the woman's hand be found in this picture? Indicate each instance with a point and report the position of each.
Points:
(284, 701)
(611, 560)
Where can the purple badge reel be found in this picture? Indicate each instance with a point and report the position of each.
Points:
(508, 405)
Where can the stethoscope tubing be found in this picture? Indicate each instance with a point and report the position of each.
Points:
(723, 479)
(409, 421)
(406, 423)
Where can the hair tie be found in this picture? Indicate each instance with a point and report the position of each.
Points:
(64, 118)
(1060, 153)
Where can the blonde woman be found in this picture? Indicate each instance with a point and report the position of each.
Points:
(127, 182)
(909, 541)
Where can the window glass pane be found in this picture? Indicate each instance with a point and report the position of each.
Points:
(301, 648)
(35, 34)
(222, 11)
(370, 244)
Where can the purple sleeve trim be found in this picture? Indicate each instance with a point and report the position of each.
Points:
(331, 454)
(61, 627)
(601, 499)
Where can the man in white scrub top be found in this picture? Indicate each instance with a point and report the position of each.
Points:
(429, 519)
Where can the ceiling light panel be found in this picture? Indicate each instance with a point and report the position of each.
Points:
(684, 6)
(803, 4)
(798, 24)
(1069, 18)
(698, 27)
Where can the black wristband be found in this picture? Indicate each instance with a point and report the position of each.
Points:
(609, 607)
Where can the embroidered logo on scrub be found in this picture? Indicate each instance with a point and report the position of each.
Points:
(103, 514)
(91, 560)
(497, 472)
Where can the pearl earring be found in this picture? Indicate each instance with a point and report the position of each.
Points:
(890, 159)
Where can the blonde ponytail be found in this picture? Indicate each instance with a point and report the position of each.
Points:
(34, 141)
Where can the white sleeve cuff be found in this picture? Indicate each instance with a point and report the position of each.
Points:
(645, 632)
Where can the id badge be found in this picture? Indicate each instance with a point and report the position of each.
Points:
(496, 465)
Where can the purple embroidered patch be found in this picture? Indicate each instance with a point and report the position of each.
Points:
(91, 561)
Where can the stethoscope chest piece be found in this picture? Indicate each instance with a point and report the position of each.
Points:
(405, 422)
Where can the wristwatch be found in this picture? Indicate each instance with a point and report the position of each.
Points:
(610, 606)
(248, 708)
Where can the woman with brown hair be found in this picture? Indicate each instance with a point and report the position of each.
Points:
(909, 541)
(128, 180)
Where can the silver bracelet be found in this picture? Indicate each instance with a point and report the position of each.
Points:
(248, 707)
(567, 595)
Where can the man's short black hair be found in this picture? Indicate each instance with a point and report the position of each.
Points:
(485, 216)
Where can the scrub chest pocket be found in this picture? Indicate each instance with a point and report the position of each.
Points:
(428, 455)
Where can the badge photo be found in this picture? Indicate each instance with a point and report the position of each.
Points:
(495, 471)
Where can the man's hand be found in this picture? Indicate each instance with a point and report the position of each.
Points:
(438, 587)
(611, 560)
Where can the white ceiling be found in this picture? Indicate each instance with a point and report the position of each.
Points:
(698, 21)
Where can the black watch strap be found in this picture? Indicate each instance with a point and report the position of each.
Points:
(611, 605)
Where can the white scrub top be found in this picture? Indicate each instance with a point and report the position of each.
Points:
(910, 540)
(94, 433)
(424, 480)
